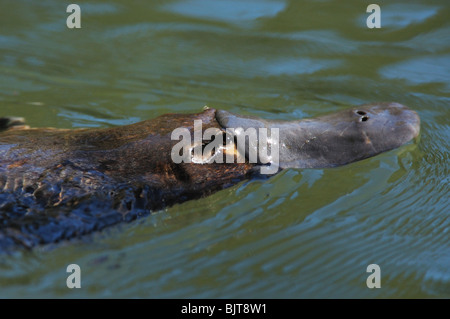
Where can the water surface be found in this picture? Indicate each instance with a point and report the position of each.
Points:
(301, 234)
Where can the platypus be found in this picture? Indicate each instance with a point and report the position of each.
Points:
(59, 184)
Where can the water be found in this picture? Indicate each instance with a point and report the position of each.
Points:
(301, 234)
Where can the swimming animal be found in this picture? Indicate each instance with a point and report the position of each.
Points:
(58, 184)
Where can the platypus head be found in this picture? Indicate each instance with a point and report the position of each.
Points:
(336, 139)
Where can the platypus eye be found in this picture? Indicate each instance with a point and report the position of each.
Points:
(364, 116)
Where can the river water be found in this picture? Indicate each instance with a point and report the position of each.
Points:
(305, 233)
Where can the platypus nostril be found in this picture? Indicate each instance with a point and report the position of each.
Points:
(364, 118)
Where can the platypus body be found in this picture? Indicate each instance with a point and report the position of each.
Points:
(58, 184)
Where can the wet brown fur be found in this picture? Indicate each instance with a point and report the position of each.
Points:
(125, 171)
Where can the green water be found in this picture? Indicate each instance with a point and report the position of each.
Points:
(301, 234)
